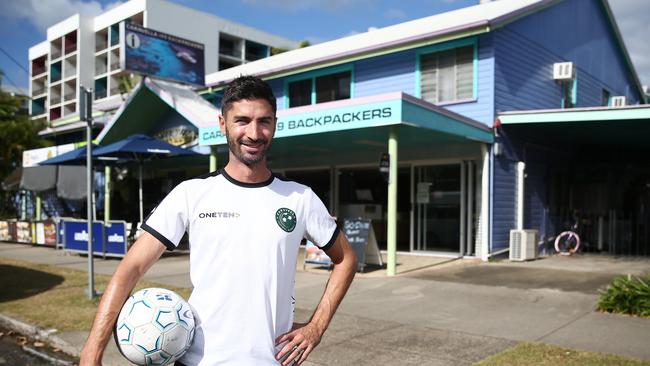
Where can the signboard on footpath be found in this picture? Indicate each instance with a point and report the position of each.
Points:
(361, 236)
(4, 231)
(115, 232)
(24, 232)
(320, 121)
(161, 55)
(75, 236)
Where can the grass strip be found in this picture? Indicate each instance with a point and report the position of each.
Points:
(539, 354)
(53, 297)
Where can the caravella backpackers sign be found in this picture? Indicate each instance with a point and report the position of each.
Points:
(322, 120)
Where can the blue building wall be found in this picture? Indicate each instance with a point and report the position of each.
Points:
(385, 74)
(573, 30)
(396, 72)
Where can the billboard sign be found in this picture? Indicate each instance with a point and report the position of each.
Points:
(161, 55)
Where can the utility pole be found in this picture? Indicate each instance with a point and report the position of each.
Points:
(86, 114)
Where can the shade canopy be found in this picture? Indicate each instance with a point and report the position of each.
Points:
(74, 157)
(140, 147)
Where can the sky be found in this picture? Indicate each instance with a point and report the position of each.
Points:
(23, 23)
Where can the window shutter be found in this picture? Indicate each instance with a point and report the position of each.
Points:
(465, 72)
(429, 77)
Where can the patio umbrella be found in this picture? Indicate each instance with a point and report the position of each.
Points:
(140, 147)
(74, 157)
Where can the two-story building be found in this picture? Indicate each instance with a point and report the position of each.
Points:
(512, 114)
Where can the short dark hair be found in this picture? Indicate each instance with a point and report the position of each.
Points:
(247, 87)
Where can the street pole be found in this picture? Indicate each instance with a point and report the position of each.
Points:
(85, 109)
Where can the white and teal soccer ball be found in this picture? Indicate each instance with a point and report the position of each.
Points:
(155, 327)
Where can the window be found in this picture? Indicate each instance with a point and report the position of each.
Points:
(333, 87)
(448, 75)
(605, 98)
(300, 93)
(320, 89)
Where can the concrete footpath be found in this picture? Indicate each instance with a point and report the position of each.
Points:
(436, 311)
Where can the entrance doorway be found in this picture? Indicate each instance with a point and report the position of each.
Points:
(317, 180)
(437, 208)
(363, 193)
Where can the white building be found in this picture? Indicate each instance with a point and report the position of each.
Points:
(86, 51)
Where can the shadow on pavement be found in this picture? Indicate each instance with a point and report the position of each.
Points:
(19, 283)
(520, 278)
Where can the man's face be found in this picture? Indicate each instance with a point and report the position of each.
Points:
(249, 126)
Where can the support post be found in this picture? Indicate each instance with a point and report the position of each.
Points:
(463, 207)
(140, 192)
(38, 207)
(213, 158)
(85, 110)
(107, 194)
(521, 168)
(484, 220)
(392, 203)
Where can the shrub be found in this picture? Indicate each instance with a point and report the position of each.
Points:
(627, 295)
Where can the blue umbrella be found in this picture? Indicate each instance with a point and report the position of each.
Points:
(74, 157)
(140, 147)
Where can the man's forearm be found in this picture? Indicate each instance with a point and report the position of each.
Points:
(117, 290)
(335, 290)
(140, 257)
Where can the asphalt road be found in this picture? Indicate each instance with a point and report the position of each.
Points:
(13, 354)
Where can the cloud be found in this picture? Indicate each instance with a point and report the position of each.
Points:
(43, 14)
(632, 19)
(331, 5)
(393, 13)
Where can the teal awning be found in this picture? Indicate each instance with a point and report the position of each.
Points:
(624, 126)
(365, 122)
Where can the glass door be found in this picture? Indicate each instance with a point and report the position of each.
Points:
(437, 208)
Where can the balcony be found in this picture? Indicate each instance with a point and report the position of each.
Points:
(70, 42)
(101, 40)
(101, 64)
(55, 72)
(56, 48)
(70, 90)
(39, 66)
(229, 46)
(70, 67)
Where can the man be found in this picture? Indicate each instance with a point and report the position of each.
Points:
(245, 226)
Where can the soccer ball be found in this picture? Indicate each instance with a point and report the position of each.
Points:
(155, 327)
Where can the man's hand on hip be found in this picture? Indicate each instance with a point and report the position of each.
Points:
(299, 342)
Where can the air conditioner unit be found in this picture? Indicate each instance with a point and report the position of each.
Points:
(563, 71)
(523, 245)
(619, 101)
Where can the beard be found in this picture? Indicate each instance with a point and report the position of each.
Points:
(247, 159)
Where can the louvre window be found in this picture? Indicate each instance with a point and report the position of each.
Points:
(447, 76)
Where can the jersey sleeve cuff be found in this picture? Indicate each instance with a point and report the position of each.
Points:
(168, 243)
(330, 243)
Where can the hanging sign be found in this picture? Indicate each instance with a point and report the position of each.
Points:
(384, 167)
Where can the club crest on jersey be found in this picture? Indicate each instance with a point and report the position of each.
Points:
(286, 219)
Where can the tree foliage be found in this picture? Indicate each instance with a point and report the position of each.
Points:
(17, 132)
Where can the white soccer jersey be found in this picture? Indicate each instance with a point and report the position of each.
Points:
(244, 241)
